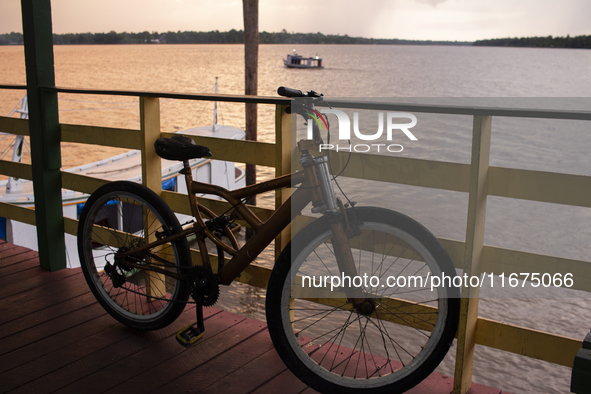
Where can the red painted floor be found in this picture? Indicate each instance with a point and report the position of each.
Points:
(54, 337)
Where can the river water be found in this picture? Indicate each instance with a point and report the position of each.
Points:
(432, 72)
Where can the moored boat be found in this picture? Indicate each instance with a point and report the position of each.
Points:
(294, 60)
(126, 166)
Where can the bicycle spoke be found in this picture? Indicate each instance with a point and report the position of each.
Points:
(331, 311)
(322, 260)
(398, 315)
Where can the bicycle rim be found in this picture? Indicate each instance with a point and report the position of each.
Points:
(124, 220)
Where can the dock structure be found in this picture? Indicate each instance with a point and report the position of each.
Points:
(54, 336)
(37, 330)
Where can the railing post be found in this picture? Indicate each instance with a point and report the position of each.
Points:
(481, 132)
(284, 144)
(151, 175)
(44, 130)
(150, 127)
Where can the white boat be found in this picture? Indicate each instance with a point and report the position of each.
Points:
(126, 166)
(294, 60)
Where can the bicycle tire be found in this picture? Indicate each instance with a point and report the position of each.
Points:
(129, 215)
(314, 335)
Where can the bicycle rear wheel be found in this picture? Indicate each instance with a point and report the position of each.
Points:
(333, 347)
(117, 217)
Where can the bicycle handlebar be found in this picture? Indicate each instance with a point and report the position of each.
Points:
(291, 93)
(300, 108)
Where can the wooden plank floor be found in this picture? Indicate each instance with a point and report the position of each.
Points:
(54, 337)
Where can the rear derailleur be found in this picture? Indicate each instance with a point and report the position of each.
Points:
(117, 279)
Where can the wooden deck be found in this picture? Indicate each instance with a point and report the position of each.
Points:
(55, 337)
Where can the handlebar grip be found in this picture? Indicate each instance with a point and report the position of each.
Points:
(289, 92)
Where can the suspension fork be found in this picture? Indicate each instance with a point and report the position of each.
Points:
(324, 201)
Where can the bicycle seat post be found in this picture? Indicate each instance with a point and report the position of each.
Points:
(186, 168)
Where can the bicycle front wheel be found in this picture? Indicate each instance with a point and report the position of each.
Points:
(120, 216)
(334, 347)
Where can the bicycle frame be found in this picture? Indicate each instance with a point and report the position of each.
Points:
(313, 190)
(264, 232)
(316, 190)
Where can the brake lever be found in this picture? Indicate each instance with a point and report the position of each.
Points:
(312, 93)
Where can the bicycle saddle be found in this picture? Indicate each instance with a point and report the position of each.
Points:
(179, 147)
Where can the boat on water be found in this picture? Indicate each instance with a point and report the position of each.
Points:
(126, 166)
(294, 60)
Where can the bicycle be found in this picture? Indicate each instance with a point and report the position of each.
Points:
(369, 338)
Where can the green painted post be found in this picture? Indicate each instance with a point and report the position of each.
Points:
(45, 133)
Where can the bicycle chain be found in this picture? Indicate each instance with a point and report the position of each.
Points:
(211, 300)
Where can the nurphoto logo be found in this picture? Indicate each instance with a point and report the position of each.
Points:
(393, 125)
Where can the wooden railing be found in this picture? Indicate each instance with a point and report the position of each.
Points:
(478, 179)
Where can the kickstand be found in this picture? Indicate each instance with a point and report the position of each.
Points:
(189, 335)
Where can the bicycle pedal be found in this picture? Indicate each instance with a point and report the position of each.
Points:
(189, 335)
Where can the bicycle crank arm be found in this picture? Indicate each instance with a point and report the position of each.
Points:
(191, 334)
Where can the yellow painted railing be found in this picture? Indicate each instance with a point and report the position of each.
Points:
(478, 179)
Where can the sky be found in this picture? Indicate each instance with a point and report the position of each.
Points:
(453, 20)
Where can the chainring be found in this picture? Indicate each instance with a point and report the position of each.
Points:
(204, 282)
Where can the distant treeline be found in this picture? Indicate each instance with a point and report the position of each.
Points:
(214, 37)
(237, 37)
(543, 42)
(11, 38)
